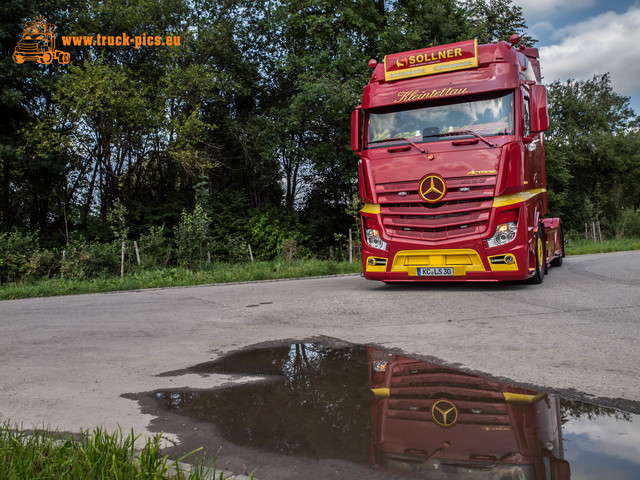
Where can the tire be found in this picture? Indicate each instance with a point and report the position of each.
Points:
(557, 262)
(45, 59)
(541, 261)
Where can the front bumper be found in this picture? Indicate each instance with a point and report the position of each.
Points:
(467, 263)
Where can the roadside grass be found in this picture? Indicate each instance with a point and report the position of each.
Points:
(173, 277)
(583, 247)
(95, 455)
(217, 272)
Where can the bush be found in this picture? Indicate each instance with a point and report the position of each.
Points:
(237, 249)
(269, 229)
(192, 237)
(44, 264)
(16, 249)
(155, 248)
(629, 224)
(85, 260)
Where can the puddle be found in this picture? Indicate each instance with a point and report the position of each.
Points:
(402, 416)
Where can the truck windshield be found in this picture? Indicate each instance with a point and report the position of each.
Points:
(487, 117)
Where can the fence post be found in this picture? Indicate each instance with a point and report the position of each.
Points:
(135, 244)
(122, 262)
(250, 252)
(350, 247)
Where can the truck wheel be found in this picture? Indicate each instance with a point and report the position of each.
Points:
(541, 262)
(64, 58)
(557, 262)
(46, 58)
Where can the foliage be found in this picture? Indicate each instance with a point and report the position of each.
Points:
(175, 276)
(89, 259)
(16, 250)
(94, 455)
(629, 224)
(247, 122)
(268, 230)
(155, 247)
(495, 20)
(593, 153)
(580, 246)
(192, 237)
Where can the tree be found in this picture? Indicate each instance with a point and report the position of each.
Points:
(592, 151)
(495, 20)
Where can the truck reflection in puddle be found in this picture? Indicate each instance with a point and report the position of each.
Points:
(442, 423)
(422, 420)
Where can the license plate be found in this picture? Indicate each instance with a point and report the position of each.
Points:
(435, 272)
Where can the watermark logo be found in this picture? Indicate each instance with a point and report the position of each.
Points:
(38, 44)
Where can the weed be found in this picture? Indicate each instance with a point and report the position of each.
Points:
(95, 455)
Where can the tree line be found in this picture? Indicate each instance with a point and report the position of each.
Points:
(247, 121)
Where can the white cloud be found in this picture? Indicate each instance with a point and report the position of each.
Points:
(605, 436)
(534, 10)
(606, 43)
(541, 29)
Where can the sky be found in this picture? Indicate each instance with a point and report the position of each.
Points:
(580, 38)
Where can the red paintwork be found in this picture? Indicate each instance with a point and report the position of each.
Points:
(513, 166)
(526, 436)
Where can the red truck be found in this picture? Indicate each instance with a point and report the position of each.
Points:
(435, 422)
(452, 166)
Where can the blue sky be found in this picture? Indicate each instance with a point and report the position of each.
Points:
(580, 38)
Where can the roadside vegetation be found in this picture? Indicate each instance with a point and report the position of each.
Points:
(583, 247)
(64, 280)
(234, 145)
(93, 455)
(176, 276)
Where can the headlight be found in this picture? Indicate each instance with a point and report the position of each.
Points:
(374, 240)
(505, 233)
(379, 366)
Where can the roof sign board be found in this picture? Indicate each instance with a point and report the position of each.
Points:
(429, 61)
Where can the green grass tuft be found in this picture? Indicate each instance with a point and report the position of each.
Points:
(95, 455)
(174, 277)
(583, 247)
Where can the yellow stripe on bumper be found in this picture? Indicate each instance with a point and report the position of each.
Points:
(462, 260)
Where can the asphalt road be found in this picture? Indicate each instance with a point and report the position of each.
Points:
(67, 361)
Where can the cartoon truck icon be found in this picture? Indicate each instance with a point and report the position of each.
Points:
(38, 43)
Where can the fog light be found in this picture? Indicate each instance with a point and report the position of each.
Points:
(509, 259)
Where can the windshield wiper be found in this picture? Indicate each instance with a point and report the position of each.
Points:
(468, 132)
(418, 147)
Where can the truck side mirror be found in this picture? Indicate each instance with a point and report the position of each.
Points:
(539, 114)
(356, 129)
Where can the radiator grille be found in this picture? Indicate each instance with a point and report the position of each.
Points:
(465, 209)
